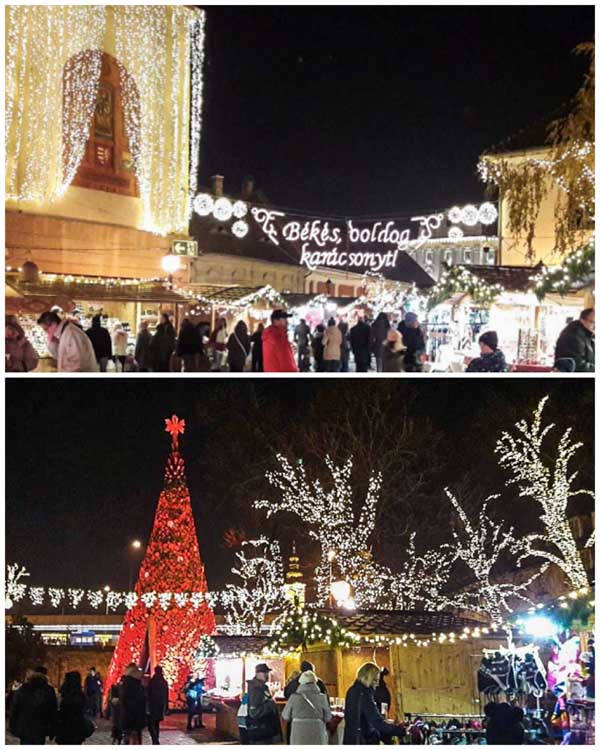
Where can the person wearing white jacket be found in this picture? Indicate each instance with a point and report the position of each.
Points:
(308, 710)
(332, 347)
(68, 344)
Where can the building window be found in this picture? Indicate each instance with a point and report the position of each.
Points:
(448, 257)
(429, 258)
(107, 163)
(468, 256)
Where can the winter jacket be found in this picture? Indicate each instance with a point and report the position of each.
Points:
(308, 710)
(393, 358)
(158, 697)
(378, 335)
(142, 350)
(133, 704)
(360, 338)
(382, 694)
(257, 352)
(120, 343)
(263, 715)
(332, 341)
(22, 356)
(93, 684)
(504, 727)
(189, 341)
(414, 341)
(294, 684)
(364, 725)
(100, 339)
(492, 362)
(318, 348)
(277, 351)
(72, 349)
(576, 342)
(162, 346)
(34, 710)
(238, 346)
(302, 336)
(72, 726)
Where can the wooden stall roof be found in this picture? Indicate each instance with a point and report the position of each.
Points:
(299, 299)
(94, 288)
(233, 644)
(512, 278)
(397, 622)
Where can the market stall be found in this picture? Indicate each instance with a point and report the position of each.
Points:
(253, 305)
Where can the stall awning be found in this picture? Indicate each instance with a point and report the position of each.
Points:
(237, 644)
(301, 300)
(397, 622)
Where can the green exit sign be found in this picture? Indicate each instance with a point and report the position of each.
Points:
(185, 247)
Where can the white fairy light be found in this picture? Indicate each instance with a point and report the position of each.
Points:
(551, 487)
(75, 596)
(149, 599)
(113, 599)
(239, 229)
(56, 596)
(197, 73)
(36, 594)
(240, 209)
(181, 599)
(130, 599)
(196, 599)
(95, 598)
(164, 599)
(455, 214)
(14, 588)
(222, 210)
(455, 234)
(470, 215)
(203, 204)
(487, 213)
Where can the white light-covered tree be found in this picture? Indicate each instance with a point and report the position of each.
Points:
(422, 578)
(551, 485)
(14, 588)
(481, 546)
(261, 591)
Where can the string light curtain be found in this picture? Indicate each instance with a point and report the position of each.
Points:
(159, 50)
(153, 46)
(41, 160)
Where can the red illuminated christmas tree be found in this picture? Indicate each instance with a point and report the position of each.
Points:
(171, 614)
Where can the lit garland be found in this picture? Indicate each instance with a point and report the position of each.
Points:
(207, 648)
(578, 267)
(265, 294)
(382, 295)
(262, 590)
(301, 628)
(550, 487)
(14, 588)
(480, 547)
(197, 63)
(456, 279)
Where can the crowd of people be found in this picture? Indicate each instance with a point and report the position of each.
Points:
(36, 713)
(380, 345)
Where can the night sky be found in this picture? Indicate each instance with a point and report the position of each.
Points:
(85, 459)
(378, 109)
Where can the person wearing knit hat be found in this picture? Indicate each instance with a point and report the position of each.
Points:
(491, 359)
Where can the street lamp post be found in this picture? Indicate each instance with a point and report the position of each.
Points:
(133, 548)
(106, 590)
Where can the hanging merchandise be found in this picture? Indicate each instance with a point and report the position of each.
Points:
(513, 671)
(530, 674)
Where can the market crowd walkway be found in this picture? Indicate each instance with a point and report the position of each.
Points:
(172, 732)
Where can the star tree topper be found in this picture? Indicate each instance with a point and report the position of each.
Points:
(175, 427)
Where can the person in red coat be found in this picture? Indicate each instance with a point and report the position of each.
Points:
(277, 350)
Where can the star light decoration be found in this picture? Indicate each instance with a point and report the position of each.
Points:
(551, 486)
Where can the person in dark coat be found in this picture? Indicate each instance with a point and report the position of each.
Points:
(93, 692)
(491, 359)
(114, 703)
(343, 326)
(101, 342)
(238, 346)
(158, 703)
(133, 706)
(193, 690)
(263, 723)
(302, 339)
(257, 353)
(379, 331)
(382, 693)
(142, 347)
(189, 346)
(318, 347)
(414, 341)
(393, 352)
(34, 710)
(162, 345)
(72, 727)
(364, 725)
(360, 336)
(504, 724)
(577, 342)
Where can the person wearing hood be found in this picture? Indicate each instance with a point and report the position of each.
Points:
(158, 703)
(101, 342)
(162, 344)
(576, 342)
(360, 335)
(20, 356)
(308, 712)
(133, 705)
(379, 331)
(238, 346)
(73, 727)
(142, 347)
(393, 352)
(491, 359)
(277, 350)
(364, 725)
(332, 347)
(263, 723)
(34, 710)
(414, 341)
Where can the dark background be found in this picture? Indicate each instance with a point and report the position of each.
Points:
(370, 109)
(85, 460)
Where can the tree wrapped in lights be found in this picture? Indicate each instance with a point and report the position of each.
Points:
(569, 166)
(329, 515)
(422, 578)
(169, 633)
(14, 588)
(262, 590)
(480, 546)
(301, 628)
(551, 486)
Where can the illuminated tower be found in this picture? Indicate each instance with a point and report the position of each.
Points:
(295, 589)
(171, 613)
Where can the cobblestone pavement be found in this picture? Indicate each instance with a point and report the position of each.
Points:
(172, 732)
